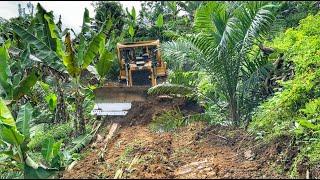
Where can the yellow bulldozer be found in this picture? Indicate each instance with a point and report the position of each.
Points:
(141, 63)
(141, 66)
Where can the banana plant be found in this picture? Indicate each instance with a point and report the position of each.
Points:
(45, 37)
(159, 24)
(43, 41)
(49, 48)
(15, 136)
(103, 66)
(131, 22)
(13, 87)
(79, 60)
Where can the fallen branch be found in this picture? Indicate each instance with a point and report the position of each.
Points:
(113, 130)
(222, 137)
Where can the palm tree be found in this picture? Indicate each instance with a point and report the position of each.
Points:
(225, 36)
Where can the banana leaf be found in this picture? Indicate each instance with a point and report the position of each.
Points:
(10, 134)
(55, 36)
(23, 120)
(8, 129)
(47, 149)
(51, 101)
(93, 49)
(25, 85)
(104, 64)
(159, 22)
(39, 173)
(5, 72)
(44, 52)
(5, 114)
(69, 59)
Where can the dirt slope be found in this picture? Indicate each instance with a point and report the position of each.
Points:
(194, 151)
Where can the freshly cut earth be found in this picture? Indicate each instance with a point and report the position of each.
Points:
(193, 151)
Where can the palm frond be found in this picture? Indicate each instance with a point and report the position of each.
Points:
(181, 52)
(170, 89)
(255, 20)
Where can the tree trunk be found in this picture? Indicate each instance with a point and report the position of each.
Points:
(76, 120)
(77, 117)
(61, 115)
(234, 110)
(82, 127)
(79, 120)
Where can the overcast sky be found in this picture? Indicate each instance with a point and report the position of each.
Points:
(71, 11)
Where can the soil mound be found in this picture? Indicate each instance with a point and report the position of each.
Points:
(141, 113)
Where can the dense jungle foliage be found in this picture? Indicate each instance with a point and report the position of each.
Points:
(253, 65)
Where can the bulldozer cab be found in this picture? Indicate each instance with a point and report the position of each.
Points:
(141, 63)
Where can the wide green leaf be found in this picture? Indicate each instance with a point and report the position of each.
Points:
(5, 114)
(8, 129)
(55, 36)
(10, 134)
(56, 148)
(85, 22)
(104, 64)
(93, 49)
(307, 124)
(84, 30)
(173, 6)
(51, 151)
(159, 22)
(25, 85)
(51, 100)
(108, 25)
(44, 52)
(5, 72)
(39, 173)
(41, 28)
(23, 120)
(131, 31)
(133, 14)
(45, 86)
(47, 149)
(81, 50)
(80, 142)
(16, 79)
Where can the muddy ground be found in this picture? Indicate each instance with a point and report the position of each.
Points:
(193, 151)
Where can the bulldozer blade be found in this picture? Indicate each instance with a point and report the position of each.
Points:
(121, 94)
(116, 100)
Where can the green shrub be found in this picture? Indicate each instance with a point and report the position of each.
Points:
(190, 78)
(61, 131)
(216, 115)
(167, 121)
(295, 111)
(284, 112)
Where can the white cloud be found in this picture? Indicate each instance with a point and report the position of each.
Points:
(71, 11)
